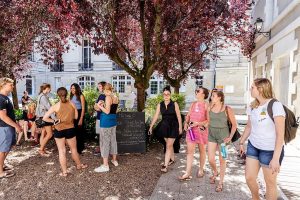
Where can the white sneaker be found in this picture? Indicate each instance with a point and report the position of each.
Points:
(115, 163)
(102, 168)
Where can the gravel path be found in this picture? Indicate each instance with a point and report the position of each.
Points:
(37, 177)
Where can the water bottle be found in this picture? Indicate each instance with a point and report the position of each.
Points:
(191, 133)
(223, 150)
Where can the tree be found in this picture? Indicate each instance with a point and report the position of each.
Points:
(145, 36)
(26, 24)
(196, 38)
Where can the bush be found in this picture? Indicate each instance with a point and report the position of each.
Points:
(18, 114)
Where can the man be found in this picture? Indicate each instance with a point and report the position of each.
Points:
(8, 125)
(100, 98)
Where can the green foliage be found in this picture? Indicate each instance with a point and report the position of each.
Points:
(91, 94)
(18, 114)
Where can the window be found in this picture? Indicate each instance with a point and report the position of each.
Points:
(157, 85)
(199, 81)
(206, 63)
(120, 82)
(85, 81)
(153, 87)
(57, 82)
(29, 84)
(30, 56)
(86, 64)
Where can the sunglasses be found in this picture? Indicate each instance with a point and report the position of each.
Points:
(197, 91)
(166, 95)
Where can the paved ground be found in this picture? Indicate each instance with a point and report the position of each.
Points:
(169, 187)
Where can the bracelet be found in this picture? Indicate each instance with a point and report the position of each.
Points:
(241, 143)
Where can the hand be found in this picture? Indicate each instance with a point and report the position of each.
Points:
(274, 166)
(193, 124)
(242, 149)
(18, 128)
(150, 131)
(227, 140)
(80, 122)
(186, 127)
(180, 130)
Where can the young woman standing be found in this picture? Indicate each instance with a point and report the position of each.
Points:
(108, 124)
(78, 99)
(43, 105)
(218, 134)
(64, 132)
(196, 119)
(170, 126)
(266, 139)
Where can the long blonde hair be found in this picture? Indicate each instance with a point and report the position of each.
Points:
(264, 86)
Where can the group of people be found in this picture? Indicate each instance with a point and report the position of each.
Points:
(207, 120)
(63, 120)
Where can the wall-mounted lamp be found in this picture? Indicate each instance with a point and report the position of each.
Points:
(259, 25)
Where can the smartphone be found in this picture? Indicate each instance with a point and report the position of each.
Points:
(57, 121)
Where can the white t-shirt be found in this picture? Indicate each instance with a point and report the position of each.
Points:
(263, 132)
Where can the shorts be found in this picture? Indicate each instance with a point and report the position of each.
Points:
(98, 126)
(217, 135)
(67, 133)
(263, 156)
(7, 138)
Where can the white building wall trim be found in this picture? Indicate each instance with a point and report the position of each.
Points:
(287, 30)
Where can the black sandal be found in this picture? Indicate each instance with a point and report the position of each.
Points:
(171, 162)
(164, 169)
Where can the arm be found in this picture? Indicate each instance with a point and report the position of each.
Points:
(50, 112)
(207, 116)
(245, 135)
(106, 108)
(82, 101)
(155, 117)
(9, 121)
(76, 111)
(178, 117)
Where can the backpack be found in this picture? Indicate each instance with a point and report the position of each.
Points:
(291, 123)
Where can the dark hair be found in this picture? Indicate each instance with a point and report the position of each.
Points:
(205, 91)
(78, 92)
(25, 92)
(102, 83)
(219, 94)
(62, 92)
(44, 86)
(167, 88)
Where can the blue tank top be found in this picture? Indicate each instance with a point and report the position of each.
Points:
(109, 120)
(76, 102)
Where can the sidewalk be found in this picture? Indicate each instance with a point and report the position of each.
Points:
(169, 187)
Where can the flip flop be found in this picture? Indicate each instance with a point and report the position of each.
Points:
(7, 174)
(171, 162)
(219, 187)
(200, 174)
(81, 166)
(63, 174)
(184, 178)
(7, 168)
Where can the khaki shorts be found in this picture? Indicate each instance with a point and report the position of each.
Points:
(217, 135)
(98, 126)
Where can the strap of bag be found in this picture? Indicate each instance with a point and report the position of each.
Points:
(270, 108)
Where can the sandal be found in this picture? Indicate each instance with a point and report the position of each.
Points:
(171, 162)
(43, 153)
(7, 174)
(213, 178)
(164, 169)
(219, 187)
(63, 174)
(200, 174)
(81, 166)
(7, 168)
(185, 177)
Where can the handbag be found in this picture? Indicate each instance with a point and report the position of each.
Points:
(40, 123)
(236, 134)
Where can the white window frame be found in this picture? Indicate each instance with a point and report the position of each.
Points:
(89, 56)
(119, 82)
(30, 78)
(87, 81)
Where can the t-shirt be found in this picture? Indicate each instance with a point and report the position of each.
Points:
(100, 98)
(263, 132)
(5, 104)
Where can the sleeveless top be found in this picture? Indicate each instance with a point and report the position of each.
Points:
(109, 120)
(168, 113)
(66, 114)
(198, 112)
(76, 102)
(218, 120)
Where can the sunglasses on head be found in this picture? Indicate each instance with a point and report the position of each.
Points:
(197, 91)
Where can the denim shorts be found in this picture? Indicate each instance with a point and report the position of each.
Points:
(264, 157)
(7, 138)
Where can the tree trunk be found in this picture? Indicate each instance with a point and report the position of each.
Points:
(176, 90)
(15, 95)
(141, 99)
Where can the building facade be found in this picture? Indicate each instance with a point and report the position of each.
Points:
(81, 66)
(277, 55)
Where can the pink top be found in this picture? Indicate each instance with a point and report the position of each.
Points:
(198, 113)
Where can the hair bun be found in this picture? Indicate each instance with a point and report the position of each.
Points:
(167, 88)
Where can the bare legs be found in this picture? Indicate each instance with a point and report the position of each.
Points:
(169, 152)
(45, 137)
(24, 125)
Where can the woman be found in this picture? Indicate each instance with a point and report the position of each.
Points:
(108, 124)
(30, 116)
(64, 132)
(196, 119)
(25, 100)
(218, 134)
(43, 105)
(78, 99)
(170, 126)
(266, 139)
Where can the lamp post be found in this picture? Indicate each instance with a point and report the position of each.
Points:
(259, 23)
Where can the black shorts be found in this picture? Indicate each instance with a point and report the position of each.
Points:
(67, 133)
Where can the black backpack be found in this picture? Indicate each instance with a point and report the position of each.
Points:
(291, 123)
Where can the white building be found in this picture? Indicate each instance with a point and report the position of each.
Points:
(278, 57)
(81, 66)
